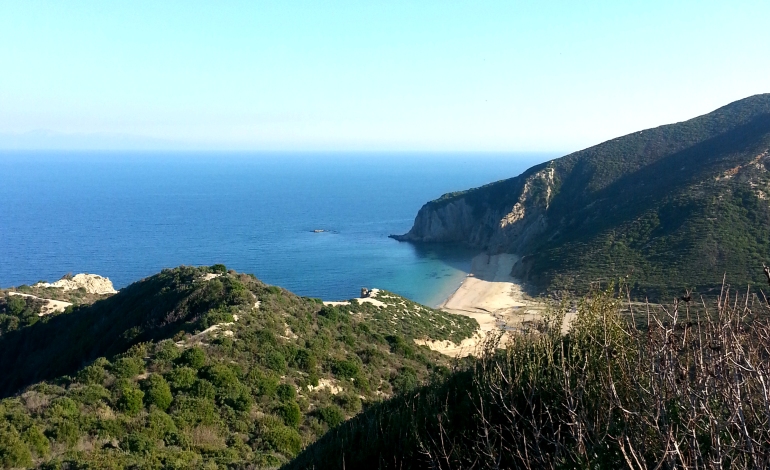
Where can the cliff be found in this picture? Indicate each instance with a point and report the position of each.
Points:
(675, 206)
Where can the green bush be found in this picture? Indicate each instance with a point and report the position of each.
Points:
(65, 431)
(127, 367)
(193, 357)
(405, 380)
(36, 441)
(181, 378)
(349, 402)
(216, 317)
(202, 388)
(275, 361)
(240, 399)
(160, 424)
(283, 439)
(286, 392)
(16, 305)
(63, 407)
(138, 443)
(290, 413)
(166, 351)
(130, 401)
(331, 415)
(346, 369)
(305, 360)
(398, 345)
(218, 269)
(262, 384)
(90, 394)
(13, 451)
(221, 376)
(92, 374)
(157, 392)
(189, 411)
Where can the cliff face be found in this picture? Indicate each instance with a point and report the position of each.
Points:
(489, 225)
(663, 203)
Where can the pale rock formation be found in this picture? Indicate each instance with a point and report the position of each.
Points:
(92, 283)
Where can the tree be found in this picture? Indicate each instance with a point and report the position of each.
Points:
(158, 392)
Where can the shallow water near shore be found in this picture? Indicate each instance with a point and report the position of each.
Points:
(127, 216)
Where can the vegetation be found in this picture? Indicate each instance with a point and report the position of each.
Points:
(18, 312)
(187, 370)
(687, 390)
(671, 207)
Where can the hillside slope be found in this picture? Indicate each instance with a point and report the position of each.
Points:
(200, 367)
(675, 206)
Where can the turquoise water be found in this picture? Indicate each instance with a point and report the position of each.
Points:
(127, 216)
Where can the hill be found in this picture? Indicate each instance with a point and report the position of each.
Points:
(202, 367)
(606, 395)
(677, 205)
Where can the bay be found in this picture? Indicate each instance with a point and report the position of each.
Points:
(129, 215)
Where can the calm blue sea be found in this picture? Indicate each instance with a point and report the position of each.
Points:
(127, 216)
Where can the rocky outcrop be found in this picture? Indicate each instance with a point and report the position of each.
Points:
(480, 219)
(92, 283)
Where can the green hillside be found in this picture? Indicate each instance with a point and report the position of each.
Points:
(203, 368)
(675, 393)
(676, 206)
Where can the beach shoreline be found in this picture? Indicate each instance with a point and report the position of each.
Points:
(495, 299)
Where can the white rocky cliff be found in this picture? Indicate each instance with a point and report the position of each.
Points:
(92, 283)
(501, 217)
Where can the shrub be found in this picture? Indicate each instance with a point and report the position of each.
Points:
(138, 443)
(405, 380)
(275, 361)
(218, 269)
(160, 424)
(16, 304)
(398, 345)
(347, 370)
(189, 411)
(290, 413)
(193, 357)
(65, 431)
(262, 384)
(127, 367)
(240, 399)
(63, 407)
(349, 402)
(166, 351)
(182, 378)
(13, 451)
(215, 317)
(280, 438)
(202, 388)
(305, 360)
(331, 313)
(331, 415)
(36, 440)
(221, 376)
(286, 392)
(91, 375)
(157, 392)
(130, 401)
(90, 394)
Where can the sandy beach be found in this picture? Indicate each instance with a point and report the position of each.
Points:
(494, 299)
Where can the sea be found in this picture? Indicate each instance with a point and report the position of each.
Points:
(127, 215)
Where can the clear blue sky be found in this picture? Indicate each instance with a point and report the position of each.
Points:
(369, 75)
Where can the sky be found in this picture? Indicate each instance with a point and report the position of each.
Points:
(489, 76)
